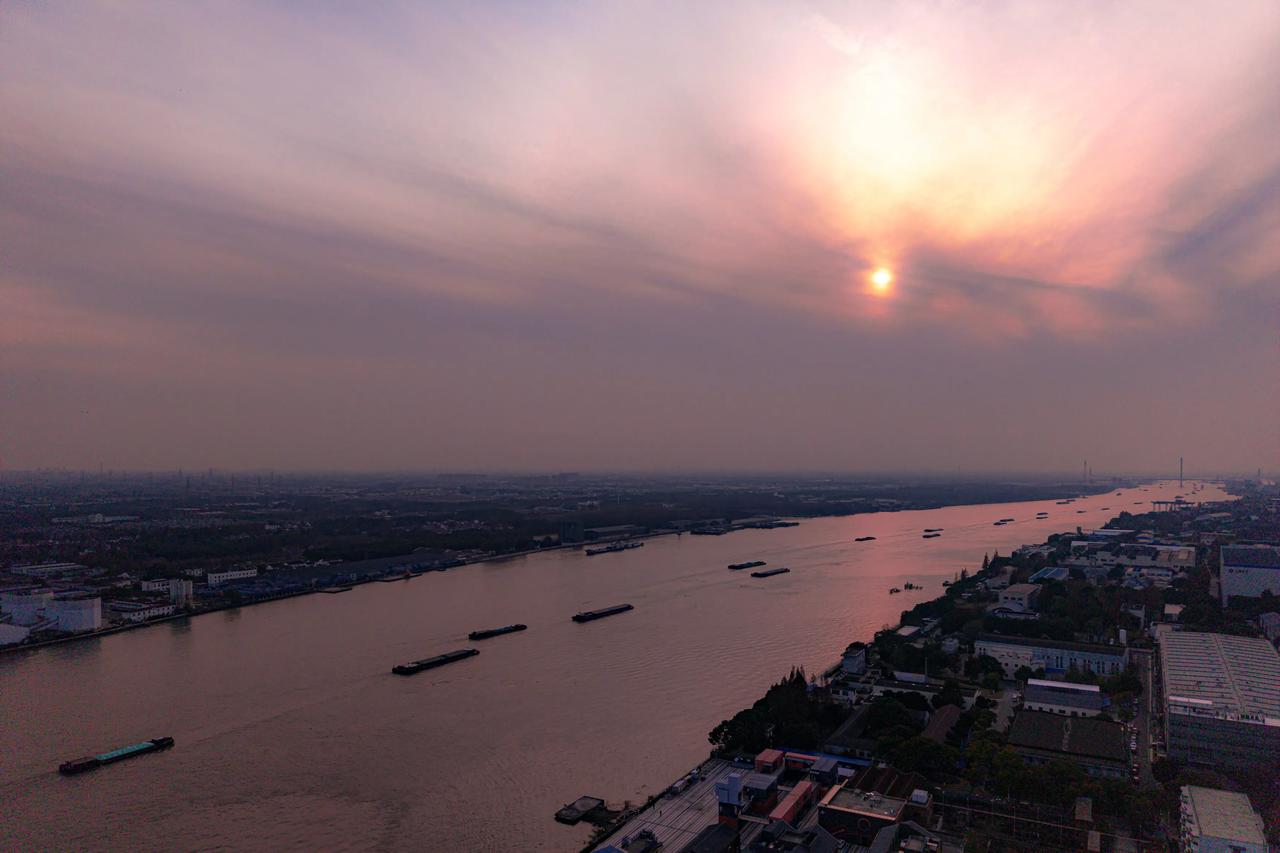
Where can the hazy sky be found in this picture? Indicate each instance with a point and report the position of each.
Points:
(636, 236)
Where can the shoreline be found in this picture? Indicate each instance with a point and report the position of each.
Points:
(495, 558)
(603, 833)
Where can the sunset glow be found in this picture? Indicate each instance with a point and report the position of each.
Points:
(528, 182)
(881, 279)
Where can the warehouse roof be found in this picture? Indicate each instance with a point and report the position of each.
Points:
(1220, 675)
(1251, 556)
(1077, 736)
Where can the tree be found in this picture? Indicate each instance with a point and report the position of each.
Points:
(986, 562)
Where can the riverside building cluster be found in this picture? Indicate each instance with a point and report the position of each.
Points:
(1078, 694)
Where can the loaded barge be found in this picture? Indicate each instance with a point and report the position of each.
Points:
(591, 615)
(736, 566)
(92, 762)
(768, 573)
(495, 632)
(431, 663)
(613, 549)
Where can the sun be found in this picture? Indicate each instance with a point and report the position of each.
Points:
(881, 279)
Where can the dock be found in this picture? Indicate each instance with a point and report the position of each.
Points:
(676, 819)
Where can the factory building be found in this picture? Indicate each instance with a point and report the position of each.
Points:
(75, 613)
(1221, 698)
(24, 606)
(47, 570)
(1214, 821)
(1054, 656)
(219, 578)
(181, 592)
(1248, 571)
(1096, 746)
(1021, 597)
(1063, 698)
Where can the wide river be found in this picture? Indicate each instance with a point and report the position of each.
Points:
(292, 733)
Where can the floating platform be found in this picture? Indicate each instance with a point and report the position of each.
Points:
(751, 565)
(579, 809)
(414, 667)
(592, 615)
(93, 762)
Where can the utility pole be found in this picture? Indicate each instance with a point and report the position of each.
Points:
(1179, 472)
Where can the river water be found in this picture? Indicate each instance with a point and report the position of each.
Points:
(292, 734)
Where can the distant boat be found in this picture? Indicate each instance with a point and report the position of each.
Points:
(92, 762)
(613, 549)
(414, 667)
(591, 615)
(768, 573)
(864, 539)
(931, 536)
(892, 590)
(495, 632)
(751, 565)
(934, 529)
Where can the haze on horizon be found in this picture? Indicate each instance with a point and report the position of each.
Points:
(540, 236)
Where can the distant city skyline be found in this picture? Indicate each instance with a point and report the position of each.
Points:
(552, 236)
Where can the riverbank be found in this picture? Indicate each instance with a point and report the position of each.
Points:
(617, 708)
(738, 739)
(352, 580)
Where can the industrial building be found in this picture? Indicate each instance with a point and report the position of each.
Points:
(1055, 656)
(25, 605)
(1221, 698)
(875, 798)
(854, 659)
(219, 578)
(1248, 571)
(1214, 821)
(1097, 746)
(140, 611)
(75, 613)
(1021, 597)
(47, 570)
(1063, 698)
(42, 609)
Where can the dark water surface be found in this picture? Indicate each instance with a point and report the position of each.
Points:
(292, 734)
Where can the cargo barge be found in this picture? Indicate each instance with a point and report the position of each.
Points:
(768, 573)
(431, 663)
(591, 615)
(92, 762)
(736, 566)
(495, 632)
(613, 549)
